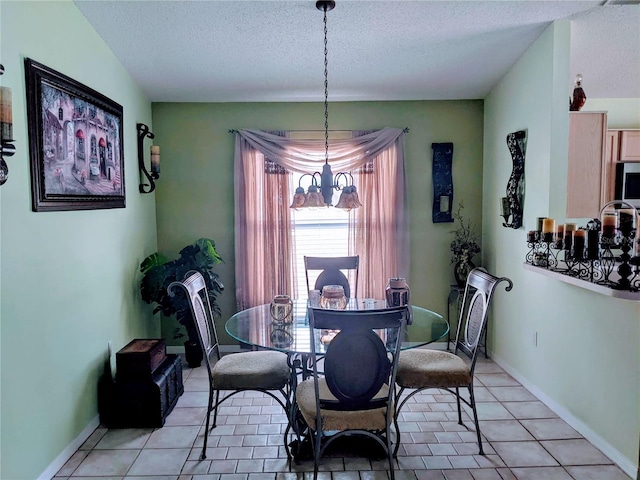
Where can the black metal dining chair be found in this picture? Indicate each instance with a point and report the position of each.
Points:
(264, 371)
(420, 369)
(354, 393)
(331, 272)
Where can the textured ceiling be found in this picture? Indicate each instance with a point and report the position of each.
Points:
(236, 51)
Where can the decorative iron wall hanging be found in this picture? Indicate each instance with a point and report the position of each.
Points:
(442, 182)
(512, 204)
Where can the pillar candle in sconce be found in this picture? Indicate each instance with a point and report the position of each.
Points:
(6, 115)
(609, 221)
(579, 242)
(548, 229)
(444, 203)
(505, 210)
(569, 228)
(155, 159)
(626, 221)
(559, 235)
(539, 223)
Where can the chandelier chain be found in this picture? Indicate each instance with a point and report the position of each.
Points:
(326, 92)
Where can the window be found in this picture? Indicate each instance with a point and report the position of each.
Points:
(265, 239)
(320, 232)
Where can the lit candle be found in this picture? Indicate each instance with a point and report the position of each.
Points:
(579, 237)
(609, 221)
(155, 159)
(444, 203)
(548, 228)
(6, 115)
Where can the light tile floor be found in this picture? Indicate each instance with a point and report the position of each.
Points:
(524, 440)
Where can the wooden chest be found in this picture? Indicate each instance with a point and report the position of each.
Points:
(146, 402)
(140, 357)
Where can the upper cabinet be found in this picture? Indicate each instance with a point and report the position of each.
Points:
(589, 173)
(629, 145)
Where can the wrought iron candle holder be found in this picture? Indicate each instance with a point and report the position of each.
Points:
(512, 208)
(589, 261)
(144, 132)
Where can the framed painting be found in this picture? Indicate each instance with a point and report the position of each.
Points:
(75, 143)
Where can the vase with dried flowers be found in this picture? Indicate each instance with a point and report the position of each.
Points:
(464, 246)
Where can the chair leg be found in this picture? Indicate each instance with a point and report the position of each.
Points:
(475, 417)
(459, 407)
(215, 410)
(203, 455)
(390, 455)
(396, 413)
(317, 445)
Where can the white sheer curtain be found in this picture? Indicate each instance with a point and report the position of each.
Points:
(263, 231)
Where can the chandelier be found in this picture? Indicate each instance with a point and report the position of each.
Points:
(320, 192)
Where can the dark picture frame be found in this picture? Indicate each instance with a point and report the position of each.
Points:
(75, 143)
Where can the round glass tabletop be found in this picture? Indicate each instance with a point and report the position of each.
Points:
(255, 327)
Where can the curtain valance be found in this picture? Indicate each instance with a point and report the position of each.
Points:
(308, 155)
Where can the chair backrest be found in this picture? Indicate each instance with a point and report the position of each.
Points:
(361, 358)
(194, 288)
(476, 301)
(331, 272)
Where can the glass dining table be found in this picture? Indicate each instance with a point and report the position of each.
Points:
(254, 327)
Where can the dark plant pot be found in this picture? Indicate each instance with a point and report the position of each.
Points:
(193, 354)
(461, 271)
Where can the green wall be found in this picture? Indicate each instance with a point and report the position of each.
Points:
(195, 191)
(586, 364)
(69, 279)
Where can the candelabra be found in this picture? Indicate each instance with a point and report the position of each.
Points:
(594, 260)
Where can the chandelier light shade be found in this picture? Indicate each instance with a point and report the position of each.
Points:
(321, 194)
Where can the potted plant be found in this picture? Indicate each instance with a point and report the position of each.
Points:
(464, 246)
(158, 272)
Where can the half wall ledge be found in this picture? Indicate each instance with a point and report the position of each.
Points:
(594, 287)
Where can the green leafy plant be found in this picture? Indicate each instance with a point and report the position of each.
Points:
(465, 242)
(158, 272)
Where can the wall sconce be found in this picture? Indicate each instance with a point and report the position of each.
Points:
(143, 131)
(442, 176)
(7, 149)
(511, 205)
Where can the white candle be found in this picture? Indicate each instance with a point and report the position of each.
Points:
(6, 115)
(444, 203)
(155, 159)
(505, 208)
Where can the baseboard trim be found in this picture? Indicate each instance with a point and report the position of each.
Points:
(626, 464)
(72, 448)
